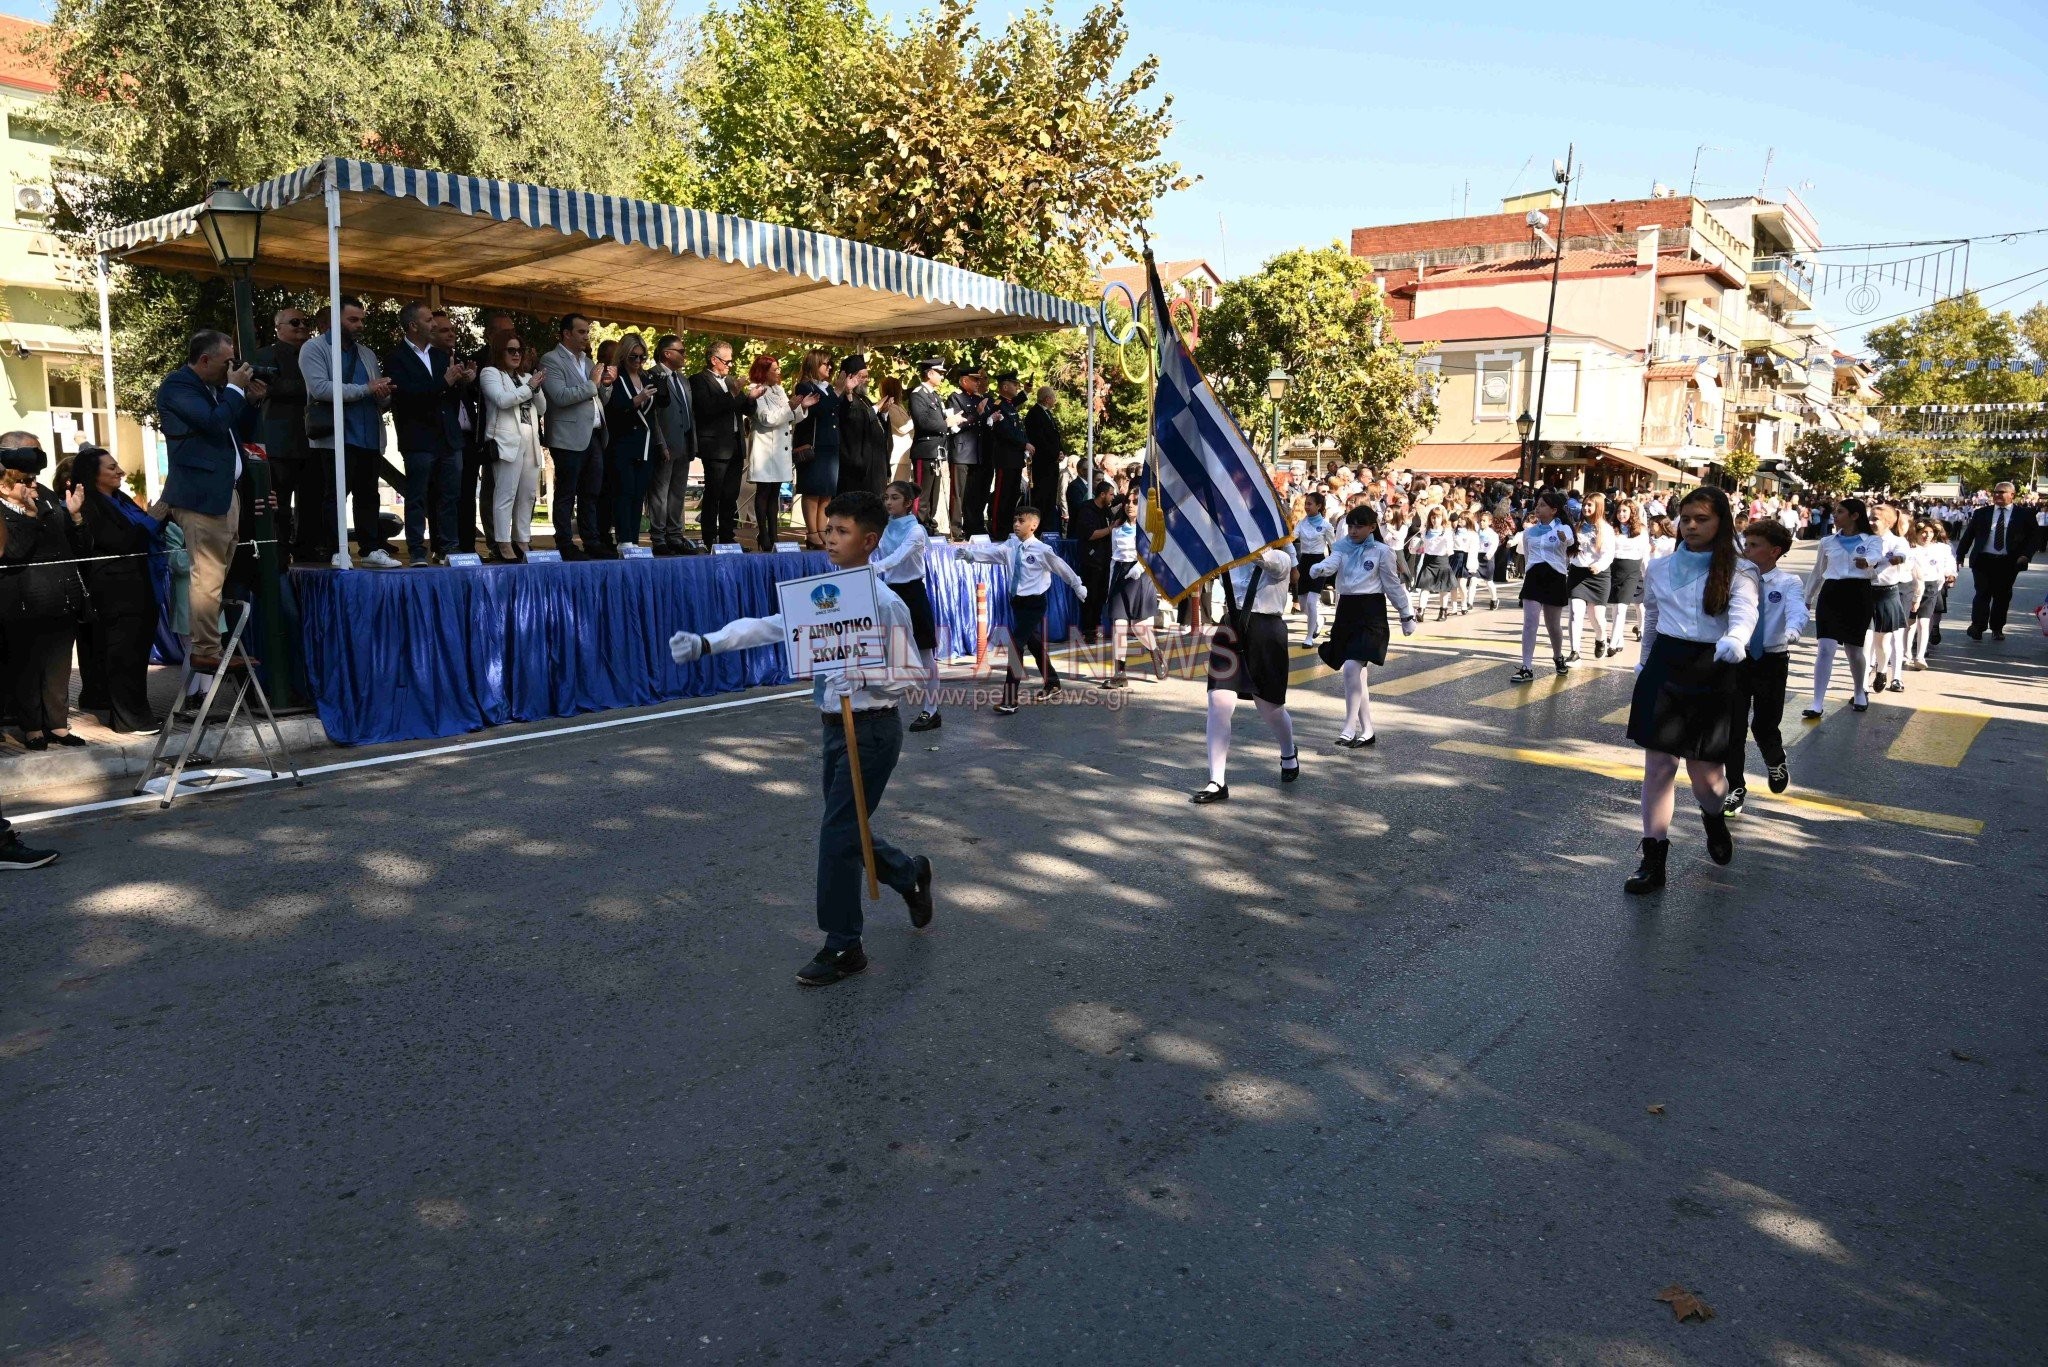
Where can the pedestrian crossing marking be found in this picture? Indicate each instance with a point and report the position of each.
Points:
(1522, 695)
(1430, 678)
(1936, 738)
(1619, 716)
(1817, 802)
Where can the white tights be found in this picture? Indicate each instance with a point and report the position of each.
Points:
(1553, 618)
(1579, 622)
(1918, 633)
(1312, 608)
(1357, 701)
(1888, 651)
(1621, 612)
(1222, 703)
(1824, 668)
(930, 659)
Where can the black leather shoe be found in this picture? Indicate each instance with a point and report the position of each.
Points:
(1210, 792)
(832, 965)
(571, 552)
(1720, 842)
(928, 722)
(1290, 774)
(919, 898)
(1649, 874)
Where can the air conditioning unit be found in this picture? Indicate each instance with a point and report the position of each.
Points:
(34, 201)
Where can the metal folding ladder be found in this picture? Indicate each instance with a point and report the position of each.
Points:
(194, 723)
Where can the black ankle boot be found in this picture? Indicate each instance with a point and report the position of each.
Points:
(1720, 843)
(1649, 875)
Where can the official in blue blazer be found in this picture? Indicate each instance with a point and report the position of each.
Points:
(426, 411)
(207, 408)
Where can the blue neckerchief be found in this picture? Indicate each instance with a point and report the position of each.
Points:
(1351, 551)
(895, 534)
(1688, 566)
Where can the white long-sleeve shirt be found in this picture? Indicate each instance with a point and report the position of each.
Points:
(1313, 535)
(1889, 573)
(1674, 608)
(1836, 559)
(1545, 543)
(1466, 540)
(1367, 566)
(900, 556)
(1123, 544)
(1594, 549)
(1489, 541)
(1032, 565)
(1781, 611)
(1275, 567)
(1632, 547)
(871, 687)
(1436, 541)
(1937, 565)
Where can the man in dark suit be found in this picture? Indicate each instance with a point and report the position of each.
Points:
(1007, 450)
(930, 428)
(1048, 447)
(426, 413)
(722, 406)
(207, 408)
(1091, 526)
(1997, 545)
(303, 487)
(972, 474)
(675, 423)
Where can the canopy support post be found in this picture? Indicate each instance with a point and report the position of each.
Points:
(111, 438)
(1088, 457)
(332, 195)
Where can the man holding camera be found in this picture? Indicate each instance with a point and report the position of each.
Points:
(425, 412)
(297, 482)
(1093, 522)
(207, 408)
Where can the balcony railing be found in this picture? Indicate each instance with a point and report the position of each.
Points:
(1795, 271)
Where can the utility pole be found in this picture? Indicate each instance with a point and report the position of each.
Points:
(1564, 178)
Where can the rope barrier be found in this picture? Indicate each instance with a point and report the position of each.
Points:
(97, 559)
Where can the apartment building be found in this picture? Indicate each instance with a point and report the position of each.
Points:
(50, 365)
(1699, 311)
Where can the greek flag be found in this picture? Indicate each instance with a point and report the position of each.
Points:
(1215, 505)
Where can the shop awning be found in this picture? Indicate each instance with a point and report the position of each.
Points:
(1825, 416)
(1463, 458)
(539, 250)
(1656, 469)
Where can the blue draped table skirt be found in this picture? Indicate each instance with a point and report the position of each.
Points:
(395, 655)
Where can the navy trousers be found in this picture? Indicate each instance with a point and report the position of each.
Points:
(841, 876)
(573, 502)
(433, 493)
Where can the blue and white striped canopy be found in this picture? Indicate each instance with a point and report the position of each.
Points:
(405, 230)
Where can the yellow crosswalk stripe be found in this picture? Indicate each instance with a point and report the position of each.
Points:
(1430, 678)
(1618, 717)
(1816, 802)
(1522, 695)
(1936, 737)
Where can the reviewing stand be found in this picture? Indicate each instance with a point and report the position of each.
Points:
(194, 722)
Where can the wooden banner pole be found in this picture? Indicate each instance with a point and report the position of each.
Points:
(860, 799)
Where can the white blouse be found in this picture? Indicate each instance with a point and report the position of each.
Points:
(1545, 543)
(1902, 572)
(1674, 609)
(1437, 542)
(1313, 534)
(1636, 547)
(1489, 541)
(1594, 552)
(1368, 566)
(1466, 540)
(1661, 546)
(1275, 568)
(1836, 559)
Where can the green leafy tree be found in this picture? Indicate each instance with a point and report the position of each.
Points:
(165, 100)
(1824, 460)
(1891, 464)
(1740, 466)
(1951, 334)
(1319, 312)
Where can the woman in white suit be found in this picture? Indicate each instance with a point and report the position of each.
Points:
(769, 463)
(513, 407)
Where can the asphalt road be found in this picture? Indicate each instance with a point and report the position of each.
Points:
(497, 1057)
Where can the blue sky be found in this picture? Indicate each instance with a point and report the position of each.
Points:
(1307, 120)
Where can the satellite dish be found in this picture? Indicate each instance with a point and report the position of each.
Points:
(1537, 220)
(1557, 171)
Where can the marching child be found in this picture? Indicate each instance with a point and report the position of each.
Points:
(1133, 599)
(1253, 666)
(1032, 565)
(900, 562)
(854, 523)
(1891, 600)
(1699, 613)
(1489, 548)
(1545, 543)
(1312, 538)
(1435, 575)
(1840, 582)
(1368, 574)
(1937, 566)
(1464, 560)
(1760, 697)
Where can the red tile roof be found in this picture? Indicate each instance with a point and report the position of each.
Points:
(1467, 325)
(1577, 266)
(20, 68)
(1619, 218)
(1132, 275)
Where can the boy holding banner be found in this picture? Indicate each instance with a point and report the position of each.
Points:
(861, 744)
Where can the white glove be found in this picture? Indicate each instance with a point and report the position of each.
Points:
(686, 646)
(854, 679)
(1729, 651)
(1407, 626)
(1081, 594)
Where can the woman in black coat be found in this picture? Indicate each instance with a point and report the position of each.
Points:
(39, 605)
(628, 400)
(113, 653)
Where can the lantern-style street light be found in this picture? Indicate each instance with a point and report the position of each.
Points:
(1277, 381)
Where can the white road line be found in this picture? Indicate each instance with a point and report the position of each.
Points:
(490, 742)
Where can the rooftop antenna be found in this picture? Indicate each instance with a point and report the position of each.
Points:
(1770, 155)
(1692, 186)
(1467, 212)
(1223, 245)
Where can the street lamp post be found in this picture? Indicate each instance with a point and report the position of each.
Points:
(1563, 176)
(233, 228)
(1523, 426)
(1277, 381)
